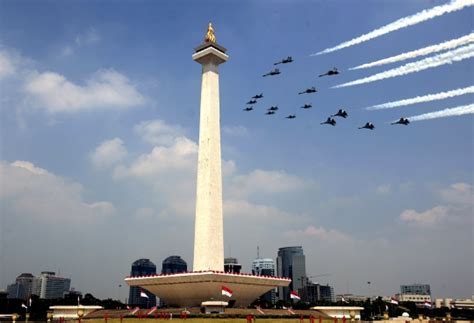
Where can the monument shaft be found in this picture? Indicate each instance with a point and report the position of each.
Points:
(209, 235)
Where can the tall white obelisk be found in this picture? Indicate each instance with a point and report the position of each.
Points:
(209, 230)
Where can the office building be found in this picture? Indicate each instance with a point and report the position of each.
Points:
(415, 289)
(50, 286)
(22, 288)
(231, 265)
(142, 267)
(265, 267)
(291, 263)
(314, 292)
(174, 265)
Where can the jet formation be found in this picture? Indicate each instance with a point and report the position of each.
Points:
(287, 60)
(341, 113)
(276, 71)
(309, 90)
(368, 125)
(403, 121)
(334, 71)
(331, 120)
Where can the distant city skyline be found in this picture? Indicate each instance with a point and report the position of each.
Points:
(99, 107)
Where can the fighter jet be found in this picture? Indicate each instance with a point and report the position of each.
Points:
(248, 109)
(334, 71)
(289, 59)
(252, 102)
(309, 90)
(276, 71)
(306, 106)
(291, 116)
(273, 108)
(270, 112)
(330, 121)
(340, 113)
(368, 125)
(403, 121)
(258, 96)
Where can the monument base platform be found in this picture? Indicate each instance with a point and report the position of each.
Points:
(191, 289)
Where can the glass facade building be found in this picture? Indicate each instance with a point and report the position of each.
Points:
(265, 267)
(142, 267)
(291, 263)
(231, 265)
(416, 289)
(174, 265)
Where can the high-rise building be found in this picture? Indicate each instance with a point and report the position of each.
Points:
(291, 263)
(22, 288)
(265, 267)
(50, 286)
(142, 267)
(416, 289)
(314, 292)
(174, 265)
(231, 265)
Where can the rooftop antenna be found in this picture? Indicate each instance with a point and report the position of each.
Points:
(258, 252)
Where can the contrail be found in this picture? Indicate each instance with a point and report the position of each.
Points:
(450, 44)
(455, 55)
(451, 112)
(424, 15)
(424, 98)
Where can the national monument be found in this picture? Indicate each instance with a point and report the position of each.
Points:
(205, 282)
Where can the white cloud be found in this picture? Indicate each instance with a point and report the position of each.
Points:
(109, 152)
(239, 209)
(237, 131)
(89, 37)
(426, 218)
(180, 157)
(384, 189)
(157, 132)
(263, 181)
(106, 89)
(34, 193)
(7, 64)
(320, 233)
(459, 194)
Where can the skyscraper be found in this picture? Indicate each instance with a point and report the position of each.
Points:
(265, 267)
(174, 265)
(291, 263)
(50, 286)
(142, 267)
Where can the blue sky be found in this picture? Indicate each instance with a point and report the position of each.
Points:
(99, 126)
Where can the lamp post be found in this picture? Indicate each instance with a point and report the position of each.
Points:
(80, 314)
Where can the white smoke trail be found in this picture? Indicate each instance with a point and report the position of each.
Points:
(455, 55)
(424, 15)
(451, 112)
(424, 98)
(450, 44)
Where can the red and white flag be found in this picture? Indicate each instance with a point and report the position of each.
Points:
(393, 301)
(23, 305)
(152, 310)
(226, 291)
(427, 304)
(135, 310)
(294, 295)
(143, 294)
